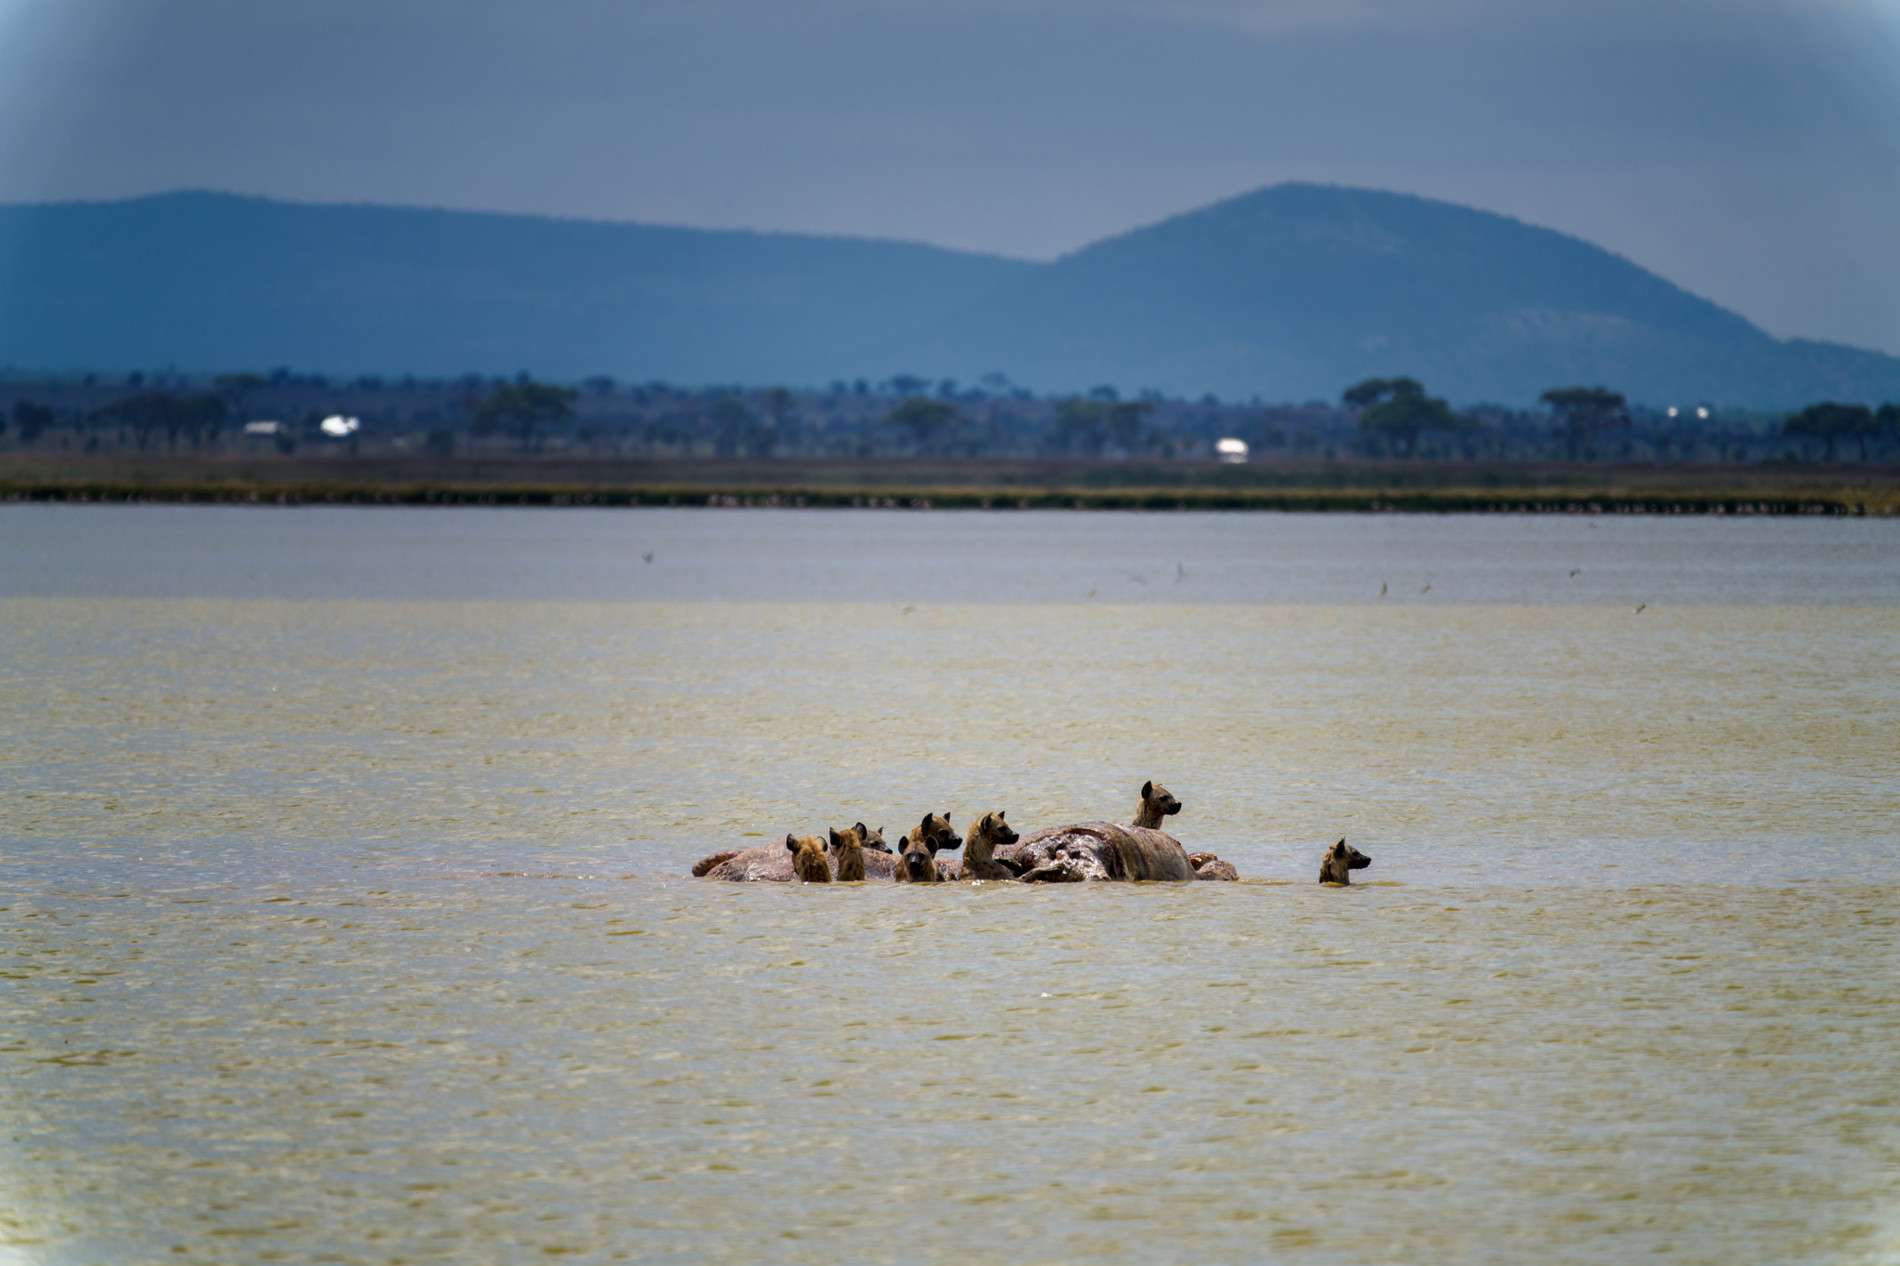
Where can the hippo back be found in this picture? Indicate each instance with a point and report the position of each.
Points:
(772, 863)
(1099, 850)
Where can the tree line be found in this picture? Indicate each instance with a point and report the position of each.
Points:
(902, 417)
(1591, 422)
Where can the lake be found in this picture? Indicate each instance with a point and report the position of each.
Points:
(343, 860)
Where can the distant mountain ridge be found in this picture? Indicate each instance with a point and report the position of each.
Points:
(205, 280)
(1291, 292)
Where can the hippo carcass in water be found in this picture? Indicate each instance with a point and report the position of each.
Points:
(770, 863)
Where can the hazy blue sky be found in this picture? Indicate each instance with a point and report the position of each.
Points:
(1747, 149)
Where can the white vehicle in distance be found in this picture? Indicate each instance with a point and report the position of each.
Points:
(336, 426)
(1231, 450)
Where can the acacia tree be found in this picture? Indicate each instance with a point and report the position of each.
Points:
(924, 418)
(1583, 413)
(1086, 426)
(525, 409)
(150, 412)
(785, 425)
(236, 389)
(1399, 409)
(736, 429)
(1830, 423)
(31, 419)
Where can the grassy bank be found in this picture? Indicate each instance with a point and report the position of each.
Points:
(1834, 488)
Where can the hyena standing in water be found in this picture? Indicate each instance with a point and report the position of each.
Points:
(1340, 861)
(848, 847)
(917, 860)
(980, 845)
(808, 858)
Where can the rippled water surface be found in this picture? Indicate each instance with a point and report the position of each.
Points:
(342, 861)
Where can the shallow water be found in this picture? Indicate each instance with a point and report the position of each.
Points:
(345, 919)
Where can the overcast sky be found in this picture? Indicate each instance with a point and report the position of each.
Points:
(1746, 149)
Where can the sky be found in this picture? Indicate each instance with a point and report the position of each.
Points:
(1748, 150)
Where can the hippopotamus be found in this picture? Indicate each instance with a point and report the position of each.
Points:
(1089, 851)
(1131, 852)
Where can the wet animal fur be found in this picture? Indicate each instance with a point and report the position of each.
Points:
(1157, 802)
(848, 847)
(1210, 866)
(705, 864)
(808, 858)
(917, 860)
(1340, 861)
(936, 829)
(979, 847)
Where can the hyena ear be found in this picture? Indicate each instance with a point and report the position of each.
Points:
(1147, 789)
(1001, 814)
(791, 844)
(924, 822)
(945, 817)
(859, 828)
(834, 837)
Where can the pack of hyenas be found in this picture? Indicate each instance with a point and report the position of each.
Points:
(993, 852)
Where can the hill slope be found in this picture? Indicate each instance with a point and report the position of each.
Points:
(212, 281)
(1291, 292)
(1296, 290)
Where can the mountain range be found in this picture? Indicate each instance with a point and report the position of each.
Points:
(1292, 292)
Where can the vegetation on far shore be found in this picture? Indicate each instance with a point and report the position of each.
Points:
(1386, 444)
(946, 483)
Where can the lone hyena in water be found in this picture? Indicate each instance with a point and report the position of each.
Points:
(979, 848)
(808, 858)
(1157, 802)
(1340, 861)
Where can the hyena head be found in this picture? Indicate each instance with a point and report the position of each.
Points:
(988, 833)
(1157, 802)
(852, 837)
(917, 862)
(936, 826)
(1339, 863)
(808, 858)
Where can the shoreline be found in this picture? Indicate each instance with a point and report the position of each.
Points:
(1840, 489)
(649, 499)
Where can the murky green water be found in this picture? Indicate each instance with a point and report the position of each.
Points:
(344, 915)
